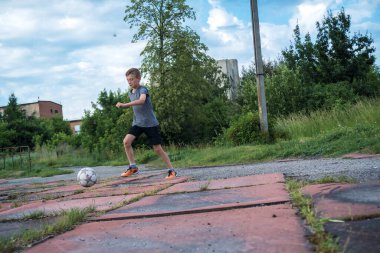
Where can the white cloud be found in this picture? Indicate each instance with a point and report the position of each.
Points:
(227, 36)
(16, 23)
(274, 38)
(360, 10)
(307, 14)
(12, 56)
(219, 18)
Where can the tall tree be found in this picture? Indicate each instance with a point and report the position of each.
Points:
(103, 129)
(336, 56)
(21, 128)
(185, 81)
(158, 21)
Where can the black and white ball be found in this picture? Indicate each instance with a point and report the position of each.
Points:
(87, 177)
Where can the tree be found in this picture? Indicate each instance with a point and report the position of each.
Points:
(185, 81)
(336, 56)
(103, 130)
(13, 112)
(158, 21)
(21, 128)
(49, 128)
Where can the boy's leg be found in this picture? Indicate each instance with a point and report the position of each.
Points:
(129, 138)
(164, 156)
(154, 136)
(132, 169)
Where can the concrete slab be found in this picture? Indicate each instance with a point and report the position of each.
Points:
(54, 206)
(132, 179)
(357, 236)
(12, 228)
(111, 191)
(203, 201)
(345, 201)
(226, 183)
(260, 229)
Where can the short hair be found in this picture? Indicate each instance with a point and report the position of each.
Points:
(133, 71)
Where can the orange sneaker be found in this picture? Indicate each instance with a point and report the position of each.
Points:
(171, 174)
(130, 172)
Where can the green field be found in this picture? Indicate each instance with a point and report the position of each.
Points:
(321, 134)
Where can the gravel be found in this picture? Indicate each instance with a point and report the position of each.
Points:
(365, 169)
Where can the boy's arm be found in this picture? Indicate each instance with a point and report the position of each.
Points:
(139, 101)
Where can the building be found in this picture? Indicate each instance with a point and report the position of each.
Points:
(231, 69)
(40, 109)
(75, 126)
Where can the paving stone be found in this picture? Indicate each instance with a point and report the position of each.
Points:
(258, 229)
(345, 201)
(54, 206)
(201, 201)
(357, 236)
(226, 183)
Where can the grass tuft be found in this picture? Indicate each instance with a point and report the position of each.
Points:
(323, 241)
(67, 221)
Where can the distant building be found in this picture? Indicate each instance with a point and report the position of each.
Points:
(231, 69)
(40, 109)
(75, 126)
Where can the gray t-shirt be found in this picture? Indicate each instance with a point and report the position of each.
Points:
(143, 115)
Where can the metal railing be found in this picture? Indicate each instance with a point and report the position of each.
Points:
(15, 157)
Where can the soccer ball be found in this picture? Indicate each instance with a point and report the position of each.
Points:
(86, 177)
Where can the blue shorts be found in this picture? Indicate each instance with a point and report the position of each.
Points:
(153, 133)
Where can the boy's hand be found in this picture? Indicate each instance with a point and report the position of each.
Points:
(119, 105)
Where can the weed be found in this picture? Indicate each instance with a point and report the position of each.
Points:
(323, 241)
(16, 203)
(339, 179)
(78, 191)
(35, 215)
(67, 221)
(204, 186)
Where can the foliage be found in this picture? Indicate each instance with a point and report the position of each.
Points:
(158, 21)
(336, 56)
(185, 82)
(103, 130)
(55, 132)
(299, 125)
(19, 128)
(246, 130)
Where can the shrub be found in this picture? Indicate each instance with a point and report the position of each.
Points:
(246, 130)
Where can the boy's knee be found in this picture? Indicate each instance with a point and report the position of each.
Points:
(127, 143)
(157, 148)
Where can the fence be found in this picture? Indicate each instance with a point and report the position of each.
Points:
(15, 157)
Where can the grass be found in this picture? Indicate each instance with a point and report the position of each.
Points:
(298, 126)
(335, 143)
(67, 221)
(323, 241)
(321, 134)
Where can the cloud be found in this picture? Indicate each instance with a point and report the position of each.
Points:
(307, 14)
(16, 23)
(360, 10)
(65, 52)
(227, 36)
(274, 38)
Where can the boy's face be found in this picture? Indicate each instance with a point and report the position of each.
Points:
(133, 81)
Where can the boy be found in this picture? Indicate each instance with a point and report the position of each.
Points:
(144, 121)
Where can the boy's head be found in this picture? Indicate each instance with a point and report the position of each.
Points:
(133, 76)
(133, 71)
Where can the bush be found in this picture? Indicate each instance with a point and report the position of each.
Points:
(246, 130)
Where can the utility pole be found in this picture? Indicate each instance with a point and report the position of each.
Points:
(259, 68)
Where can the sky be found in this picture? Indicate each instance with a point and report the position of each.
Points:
(68, 51)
